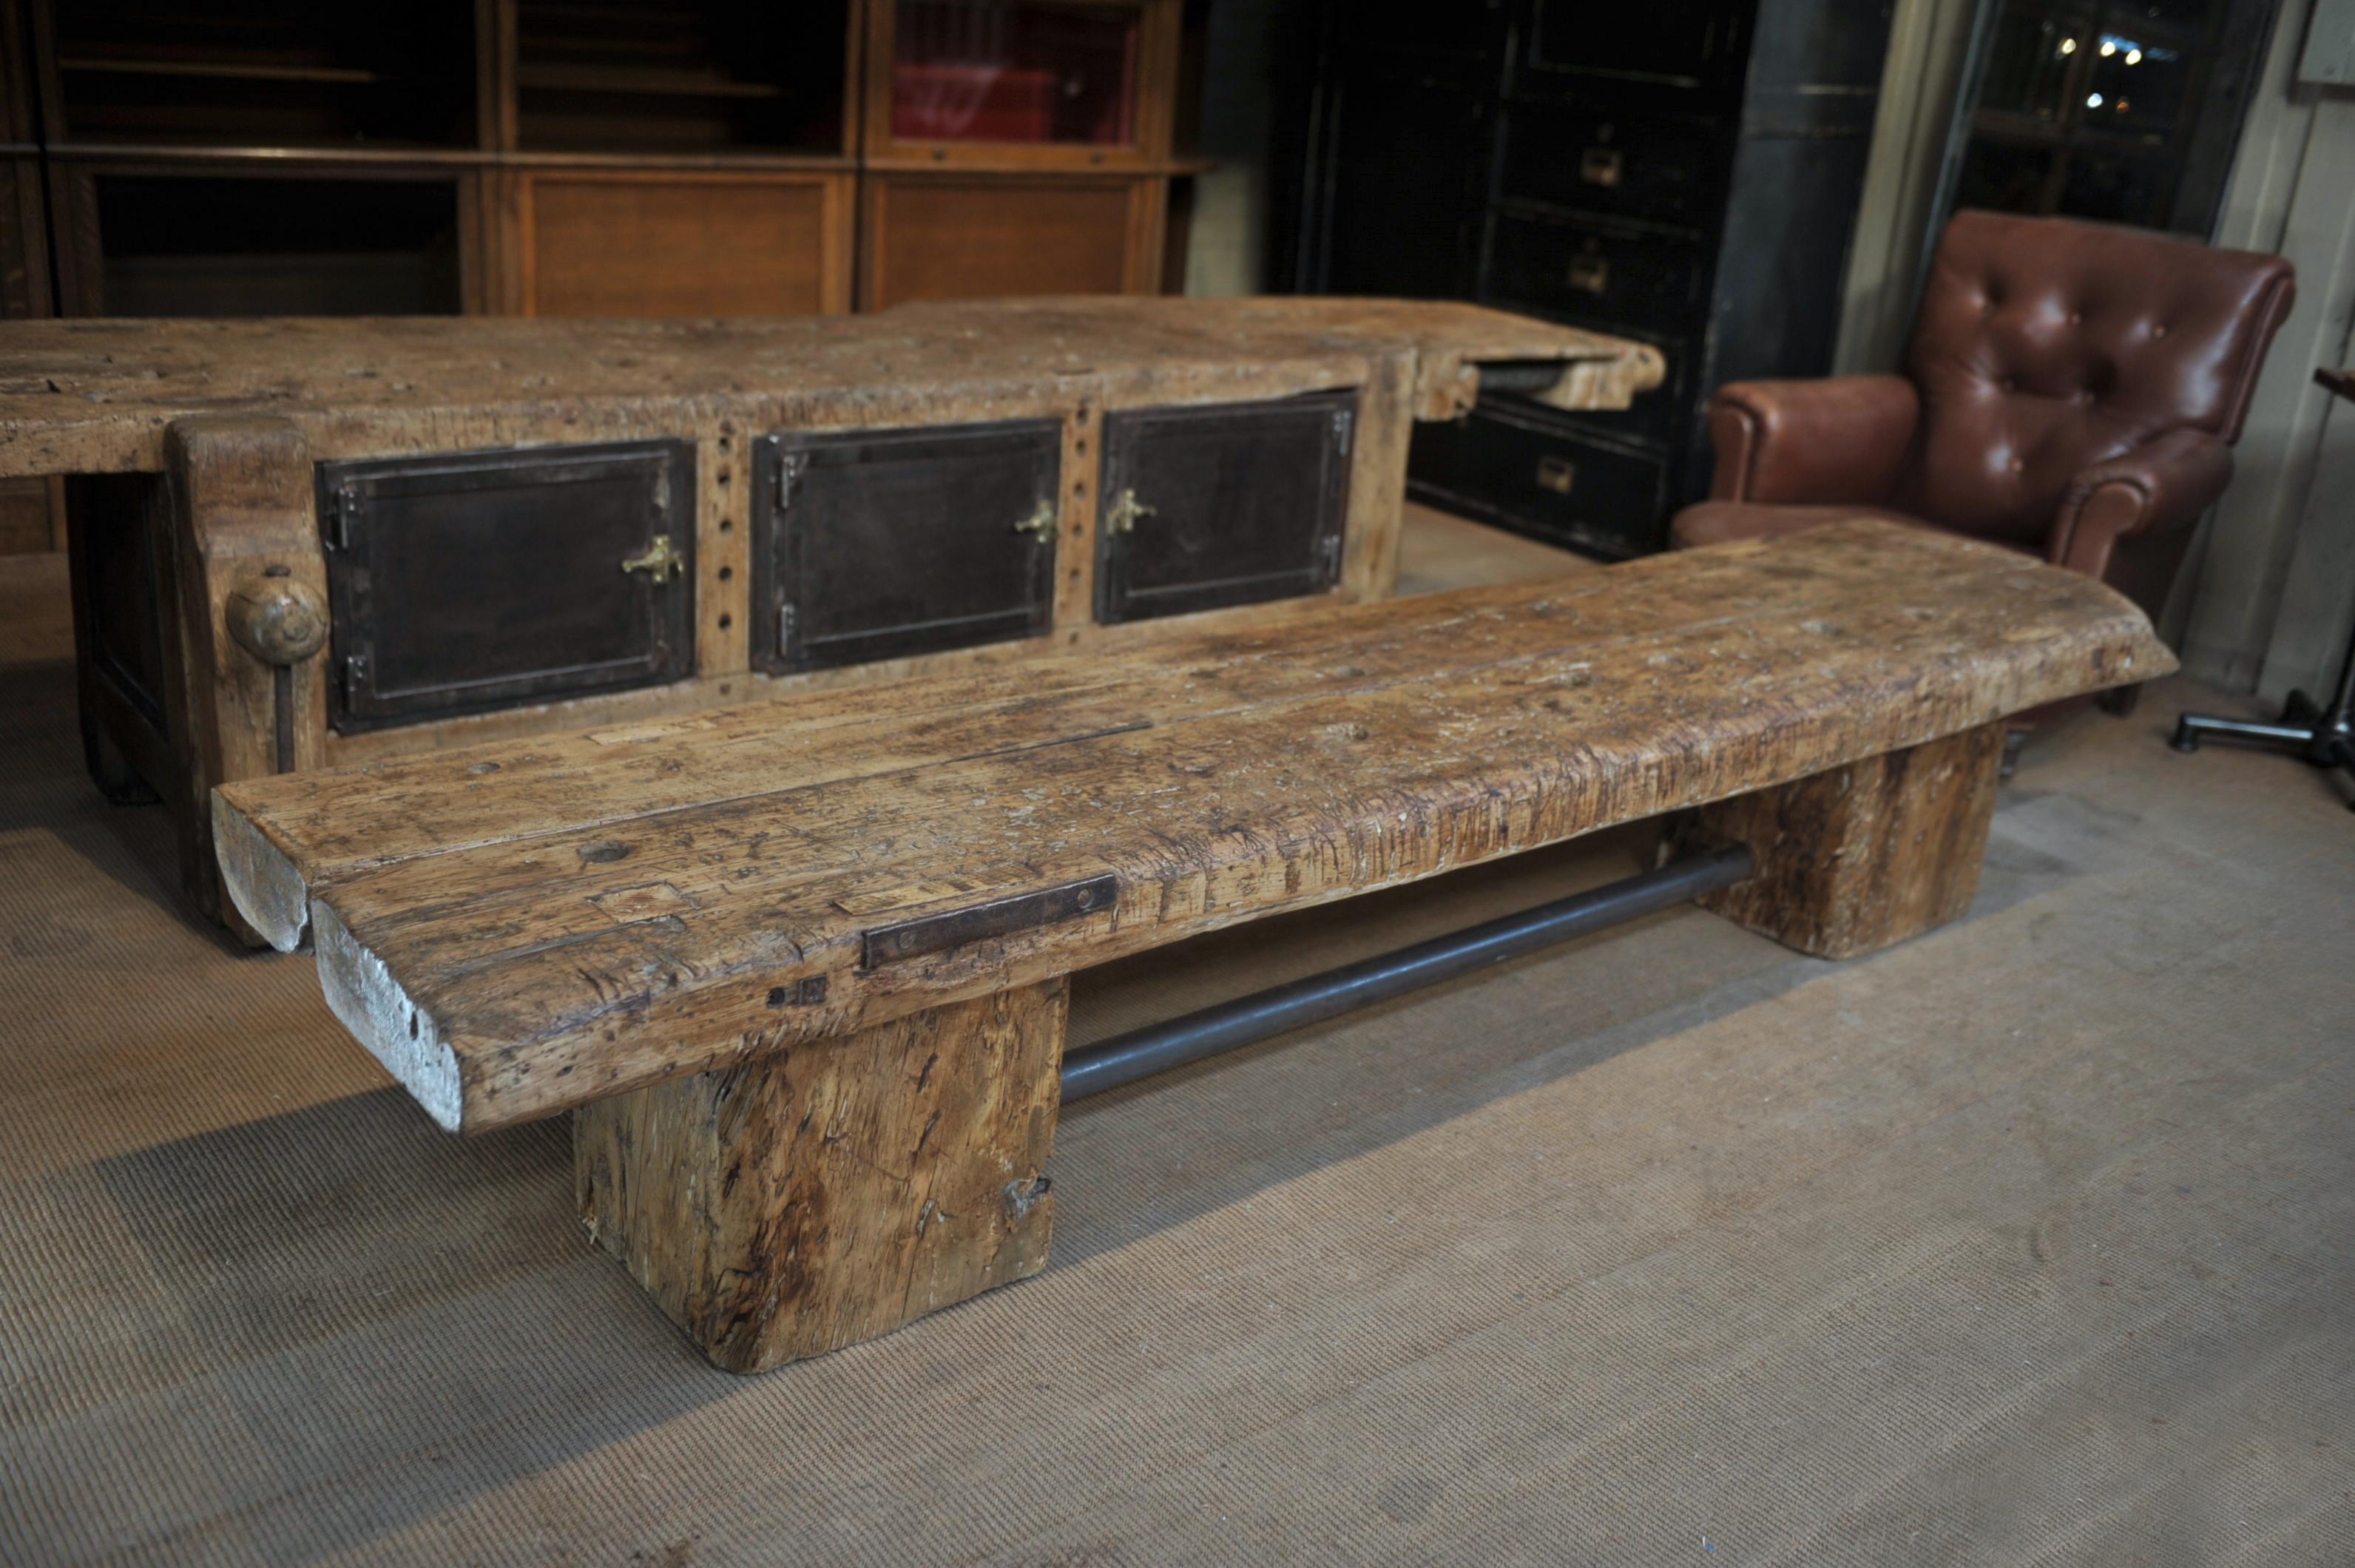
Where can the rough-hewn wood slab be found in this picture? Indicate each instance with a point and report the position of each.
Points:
(806, 1201)
(1865, 854)
(94, 396)
(519, 929)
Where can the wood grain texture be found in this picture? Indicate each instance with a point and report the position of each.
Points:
(684, 243)
(1865, 854)
(969, 237)
(81, 397)
(95, 396)
(785, 1208)
(243, 528)
(563, 921)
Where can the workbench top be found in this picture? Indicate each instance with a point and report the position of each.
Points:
(94, 396)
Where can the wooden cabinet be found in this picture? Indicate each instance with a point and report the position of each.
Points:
(654, 158)
(671, 243)
(1231, 504)
(878, 544)
(977, 237)
(468, 581)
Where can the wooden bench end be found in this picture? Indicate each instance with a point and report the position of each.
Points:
(262, 883)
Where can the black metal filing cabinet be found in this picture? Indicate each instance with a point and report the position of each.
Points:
(1685, 172)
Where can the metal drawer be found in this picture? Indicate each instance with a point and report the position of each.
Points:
(459, 582)
(1615, 277)
(1538, 478)
(1657, 170)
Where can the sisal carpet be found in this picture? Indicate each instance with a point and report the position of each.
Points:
(2028, 1242)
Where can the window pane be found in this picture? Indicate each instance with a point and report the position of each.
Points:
(2115, 189)
(2028, 69)
(2003, 177)
(2134, 85)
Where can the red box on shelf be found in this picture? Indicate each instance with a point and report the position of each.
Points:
(972, 104)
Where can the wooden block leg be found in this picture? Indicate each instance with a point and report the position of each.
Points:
(832, 1192)
(1862, 856)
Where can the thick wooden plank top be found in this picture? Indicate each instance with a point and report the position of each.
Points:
(519, 928)
(90, 396)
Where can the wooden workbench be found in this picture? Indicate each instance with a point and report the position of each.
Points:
(237, 486)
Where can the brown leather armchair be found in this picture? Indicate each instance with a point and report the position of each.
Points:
(2071, 389)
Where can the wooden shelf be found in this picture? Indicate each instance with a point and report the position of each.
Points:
(232, 71)
(719, 146)
(621, 80)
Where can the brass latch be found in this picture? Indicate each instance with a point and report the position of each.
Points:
(1125, 510)
(661, 562)
(1600, 166)
(1590, 274)
(1040, 523)
(1556, 474)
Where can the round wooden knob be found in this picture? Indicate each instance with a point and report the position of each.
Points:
(276, 619)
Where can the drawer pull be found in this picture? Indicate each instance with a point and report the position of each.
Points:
(660, 561)
(1040, 523)
(1556, 474)
(1126, 511)
(1600, 166)
(1590, 274)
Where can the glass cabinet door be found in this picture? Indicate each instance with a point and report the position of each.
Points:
(1021, 72)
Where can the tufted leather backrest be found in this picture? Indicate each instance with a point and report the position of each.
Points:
(2045, 346)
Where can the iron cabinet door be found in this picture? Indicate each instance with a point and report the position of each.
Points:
(461, 582)
(1231, 504)
(876, 544)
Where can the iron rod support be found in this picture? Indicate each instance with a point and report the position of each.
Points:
(1157, 1048)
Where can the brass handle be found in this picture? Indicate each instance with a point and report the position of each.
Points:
(1599, 165)
(1040, 523)
(1125, 510)
(1591, 274)
(661, 562)
(1556, 474)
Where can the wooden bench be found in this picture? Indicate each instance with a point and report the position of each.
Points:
(801, 969)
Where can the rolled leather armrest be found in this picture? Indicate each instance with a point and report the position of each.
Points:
(2160, 488)
(1840, 438)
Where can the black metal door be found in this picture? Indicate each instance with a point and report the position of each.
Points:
(876, 544)
(1231, 504)
(461, 582)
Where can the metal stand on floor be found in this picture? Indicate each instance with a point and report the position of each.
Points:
(2325, 737)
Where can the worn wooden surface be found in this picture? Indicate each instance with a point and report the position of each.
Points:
(95, 396)
(787, 1207)
(523, 928)
(1865, 854)
(243, 536)
(92, 396)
